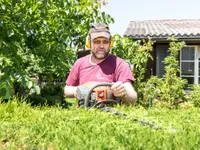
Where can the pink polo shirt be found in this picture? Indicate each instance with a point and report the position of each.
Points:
(112, 69)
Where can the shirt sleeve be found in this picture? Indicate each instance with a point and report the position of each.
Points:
(123, 73)
(73, 77)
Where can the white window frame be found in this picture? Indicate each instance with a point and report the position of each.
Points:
(196, 63)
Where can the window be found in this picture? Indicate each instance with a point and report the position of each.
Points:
(189, 64)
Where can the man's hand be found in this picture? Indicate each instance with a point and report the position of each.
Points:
(125, 92)
(118, 89)
(70, 91)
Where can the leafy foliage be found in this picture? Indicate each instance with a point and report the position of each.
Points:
(170, 88)
(194, 95)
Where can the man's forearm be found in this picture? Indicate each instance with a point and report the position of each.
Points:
(70, 91)
(129, 98)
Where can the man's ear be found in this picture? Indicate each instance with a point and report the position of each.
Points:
(111, 43)
(87, 43)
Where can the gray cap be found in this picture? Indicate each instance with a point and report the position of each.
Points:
(99, 30)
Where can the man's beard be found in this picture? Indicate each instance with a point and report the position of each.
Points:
(100, 56)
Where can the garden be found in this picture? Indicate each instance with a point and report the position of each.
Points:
(38, 45)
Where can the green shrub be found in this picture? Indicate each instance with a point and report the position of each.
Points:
(27, 127)
(194, 95)
(170, 88)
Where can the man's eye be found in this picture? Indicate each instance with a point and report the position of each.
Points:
(99, 42)
(105, 42)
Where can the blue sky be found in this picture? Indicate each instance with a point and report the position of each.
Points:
(123, 11)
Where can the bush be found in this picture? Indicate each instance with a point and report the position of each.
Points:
(194, 95)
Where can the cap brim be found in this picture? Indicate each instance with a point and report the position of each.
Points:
(99, 34)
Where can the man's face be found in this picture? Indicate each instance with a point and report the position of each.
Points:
(100, 47)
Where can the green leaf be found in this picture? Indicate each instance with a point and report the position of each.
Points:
(37, 88)
(5, 89)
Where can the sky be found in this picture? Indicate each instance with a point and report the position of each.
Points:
(124, 11)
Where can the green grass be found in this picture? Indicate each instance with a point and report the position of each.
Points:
(23, 126)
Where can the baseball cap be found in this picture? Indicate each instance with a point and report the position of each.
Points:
(99, 30)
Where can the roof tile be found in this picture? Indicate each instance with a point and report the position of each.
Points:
(163, 28)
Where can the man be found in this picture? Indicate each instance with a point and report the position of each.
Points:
(101, 66)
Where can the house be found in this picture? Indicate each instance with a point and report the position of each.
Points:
(187, 30)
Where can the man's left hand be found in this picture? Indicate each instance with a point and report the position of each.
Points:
(118, 89)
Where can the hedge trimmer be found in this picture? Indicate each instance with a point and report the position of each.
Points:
(100, 96)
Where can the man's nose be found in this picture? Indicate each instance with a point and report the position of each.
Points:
(101, 44)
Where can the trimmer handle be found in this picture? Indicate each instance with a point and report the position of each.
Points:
(86, 102)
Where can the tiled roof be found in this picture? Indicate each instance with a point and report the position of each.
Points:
(183, 28)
